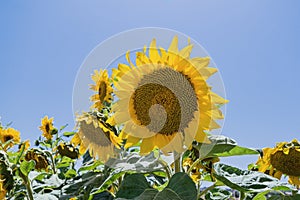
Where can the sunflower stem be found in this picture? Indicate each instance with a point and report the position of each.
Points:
(166, 167)
(28, 186)
(176, 162)
(52, 161)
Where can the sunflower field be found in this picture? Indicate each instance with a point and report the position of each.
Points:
(147, 136)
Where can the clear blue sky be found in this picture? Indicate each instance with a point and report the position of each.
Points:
(255, 44)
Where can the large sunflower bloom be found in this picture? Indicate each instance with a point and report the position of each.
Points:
(95, 135)
(283, 159)
(103, 89)
(164, 99)
(9, 134)
(47, 127)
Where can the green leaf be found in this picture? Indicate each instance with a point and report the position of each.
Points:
(90, 167)
(168, 194)
(236, 151)
(69, 134)
(261, 195)
(183, 186)
(218, 194)
(109, 181)
(222, 146)
(135, 162)
(246, 181)
(89, 179)
(70, 173)
(133, 186)
(39, 176)
(27, 166)
(65, 162)
(63, 127)
(148, 194)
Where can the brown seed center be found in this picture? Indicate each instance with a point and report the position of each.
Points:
(165, 96)
(287, 163)
(102, 91)
(47, 128)
(7, 138)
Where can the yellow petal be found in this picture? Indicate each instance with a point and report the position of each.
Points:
(146, 146)
(131, 141)
(153, 53)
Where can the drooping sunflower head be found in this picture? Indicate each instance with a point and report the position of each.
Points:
(96, 135)
(40, 158)
(9, 134)
(47, 127)
(103, 89)
(282, 159)
(67, 150)
(164, 99)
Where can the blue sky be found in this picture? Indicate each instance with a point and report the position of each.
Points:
(255, 44)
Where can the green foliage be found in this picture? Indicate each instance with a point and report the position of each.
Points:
(135, 186)
(130, 175)
(247, 181)
(222, 146)
(27, 166)
(218, 194)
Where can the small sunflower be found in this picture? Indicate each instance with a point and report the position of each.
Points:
(47, 127)
(103, 89)
(40, 158)
(9, 134)
(164, 99)
(67, 150)
(96, 135)
(283, 159)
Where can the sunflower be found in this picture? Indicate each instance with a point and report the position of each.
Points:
(40, 158)
(164, 100)
(103, 89)
(283, 159)
(47, 127)
(9, 134)
(96, 135)
(67, 150)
